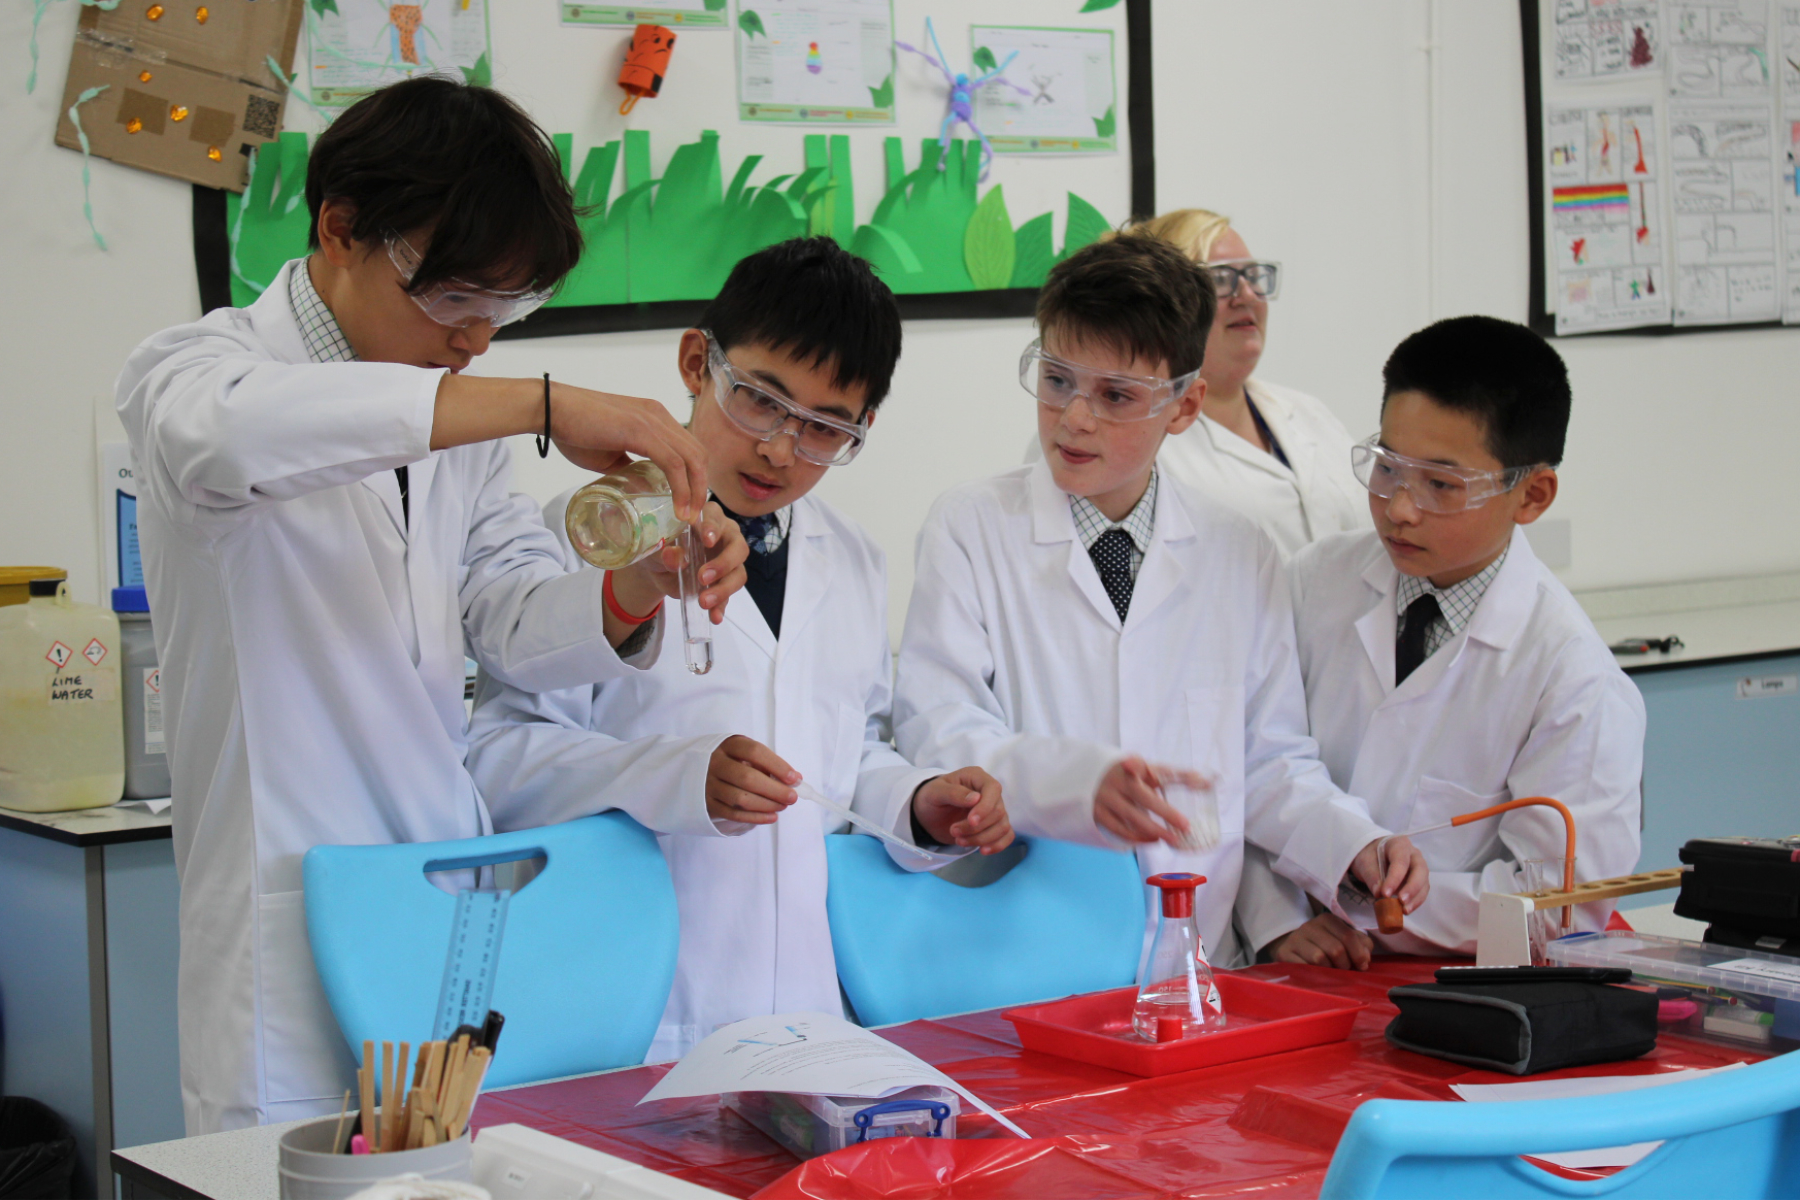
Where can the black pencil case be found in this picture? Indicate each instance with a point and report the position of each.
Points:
(1524, 1028)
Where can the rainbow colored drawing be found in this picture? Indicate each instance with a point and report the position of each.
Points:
(1608, 199)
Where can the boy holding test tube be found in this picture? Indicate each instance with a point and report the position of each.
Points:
(1081, 621)
(787, 369)
(1447, 670)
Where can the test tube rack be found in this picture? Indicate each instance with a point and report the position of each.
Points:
(1502, 934)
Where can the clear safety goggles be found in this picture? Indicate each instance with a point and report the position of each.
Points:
(1264, 278)
(460, 305)
(1434, 487)
(1057, 383)
(761, 413)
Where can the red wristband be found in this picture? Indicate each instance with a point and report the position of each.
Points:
(618, 610)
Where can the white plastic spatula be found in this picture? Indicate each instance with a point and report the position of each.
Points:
(808, 792)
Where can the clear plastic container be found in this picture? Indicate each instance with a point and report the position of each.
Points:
(62, 737)
(814, 1125)
(1740, 996)
(146, 750)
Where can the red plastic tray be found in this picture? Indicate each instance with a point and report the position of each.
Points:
(1261, 1019)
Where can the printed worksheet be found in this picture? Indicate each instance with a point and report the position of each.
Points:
(1788, 144)
(357, 46)
(1606, 39)
(1057, 94)
(1605, 228)
(1722, 181)
(815, 60)
(1719, 49)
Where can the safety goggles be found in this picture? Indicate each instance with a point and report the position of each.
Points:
(460, 305)
(1434, 487)
(763, 414)
(1057, 383)
(1264, 278)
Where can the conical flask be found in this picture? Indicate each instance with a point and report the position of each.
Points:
(1177, 995)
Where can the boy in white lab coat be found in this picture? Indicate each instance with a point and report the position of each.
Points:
(327, 525)
(1077, 621)
(787, 370)
(1447, 670)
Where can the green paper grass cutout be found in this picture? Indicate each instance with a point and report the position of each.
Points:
(676, 236)
(985, 60)
(883, 96)
(715, 5)
(1105, 126)
(751, 24)
(481, 74)
(1098, 5)
(321, 7)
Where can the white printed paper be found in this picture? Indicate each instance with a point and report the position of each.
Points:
(1606, 218)
(1606, 39)
(121, 565)
(1761, 969)
(1593, 1085)
(808, 1054)
(357, 46)
(1719, 49)
(1058, 93)
(1788, 148)
(1722, 175)
(815, 60)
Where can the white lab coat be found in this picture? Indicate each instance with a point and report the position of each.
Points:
(1525, 701)
(312, 660)
(1014, 659)
(1315, 495)
(754, 935)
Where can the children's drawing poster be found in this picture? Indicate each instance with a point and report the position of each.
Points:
(1606, 39)
(357, 46)
(701, 14)
(1606, 218)
(817, 61)
(1727, 261)
(1058, 92)
(1788, 147)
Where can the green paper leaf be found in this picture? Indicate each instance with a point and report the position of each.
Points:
(479, 75)
(1098, 5)
(1084, 227)
(988, 242)
(751, 24)
(883, 96)
(886, 251)
(984, 59)
(715, 5)
(1104, 126)
(321, 7)
(1033, 255)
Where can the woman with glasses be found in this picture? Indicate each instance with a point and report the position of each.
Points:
(1277, 455)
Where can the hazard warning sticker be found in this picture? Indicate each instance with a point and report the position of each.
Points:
(94, 651)
(59, 655)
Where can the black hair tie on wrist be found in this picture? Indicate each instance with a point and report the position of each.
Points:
(543, 439)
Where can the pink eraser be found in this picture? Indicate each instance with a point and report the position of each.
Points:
(359, 1145)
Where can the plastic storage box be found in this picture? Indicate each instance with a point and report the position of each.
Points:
(1742, 996)
(813, 1125)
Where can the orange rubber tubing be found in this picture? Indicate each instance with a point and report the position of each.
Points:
(1568, 835)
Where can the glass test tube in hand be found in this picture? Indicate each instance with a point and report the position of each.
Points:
(696, 628)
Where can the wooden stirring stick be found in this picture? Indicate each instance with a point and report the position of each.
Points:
(337, 1137)
(365, 1079)
(471, 1088)
(393, 1129)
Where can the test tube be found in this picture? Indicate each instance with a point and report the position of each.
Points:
(696, 635)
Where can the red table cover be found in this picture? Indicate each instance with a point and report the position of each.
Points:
(1265, 1127)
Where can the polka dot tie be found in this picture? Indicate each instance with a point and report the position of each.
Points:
(1111, 553)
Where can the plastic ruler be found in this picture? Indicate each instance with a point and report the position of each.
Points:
(474, 957)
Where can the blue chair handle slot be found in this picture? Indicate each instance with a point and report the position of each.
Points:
(469, 862)
(938, 1110)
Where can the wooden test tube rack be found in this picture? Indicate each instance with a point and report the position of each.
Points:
(1502, 936)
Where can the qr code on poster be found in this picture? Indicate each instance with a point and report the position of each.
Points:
(262, 117)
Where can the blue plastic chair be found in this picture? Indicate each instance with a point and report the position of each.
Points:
(1730, 1135)
(586, 962)
(1066, 919)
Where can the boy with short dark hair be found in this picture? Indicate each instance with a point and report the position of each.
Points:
(1446, 668)
(1079, 623)
(787, 369)
(327, 525)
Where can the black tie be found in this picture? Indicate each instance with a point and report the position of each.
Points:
(1111, 553)
(1409, 650)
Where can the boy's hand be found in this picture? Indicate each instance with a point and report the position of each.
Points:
(595, 430)
(964, 808)
(1407, 875)
(638, 587)
(1325, 941)
(746, 781)
(1128, 803)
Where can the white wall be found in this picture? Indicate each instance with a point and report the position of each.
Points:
(1311, 122)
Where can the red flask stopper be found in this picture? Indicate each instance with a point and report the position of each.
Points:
(1170, 1029)
(1177, 891)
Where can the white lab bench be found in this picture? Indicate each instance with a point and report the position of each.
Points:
(1722, 751)
(88, 944)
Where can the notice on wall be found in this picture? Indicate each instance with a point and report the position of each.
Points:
(701, 14)
(1058, 93)
(120, 563)
(1606, 217)
(1606, 39)
(1787, 140)
(358, 46)
(829, 61)
(1722, 174)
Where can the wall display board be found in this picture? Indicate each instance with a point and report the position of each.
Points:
(774, 119)
(1663, 139)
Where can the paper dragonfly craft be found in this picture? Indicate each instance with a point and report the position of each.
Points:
(962, 98)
